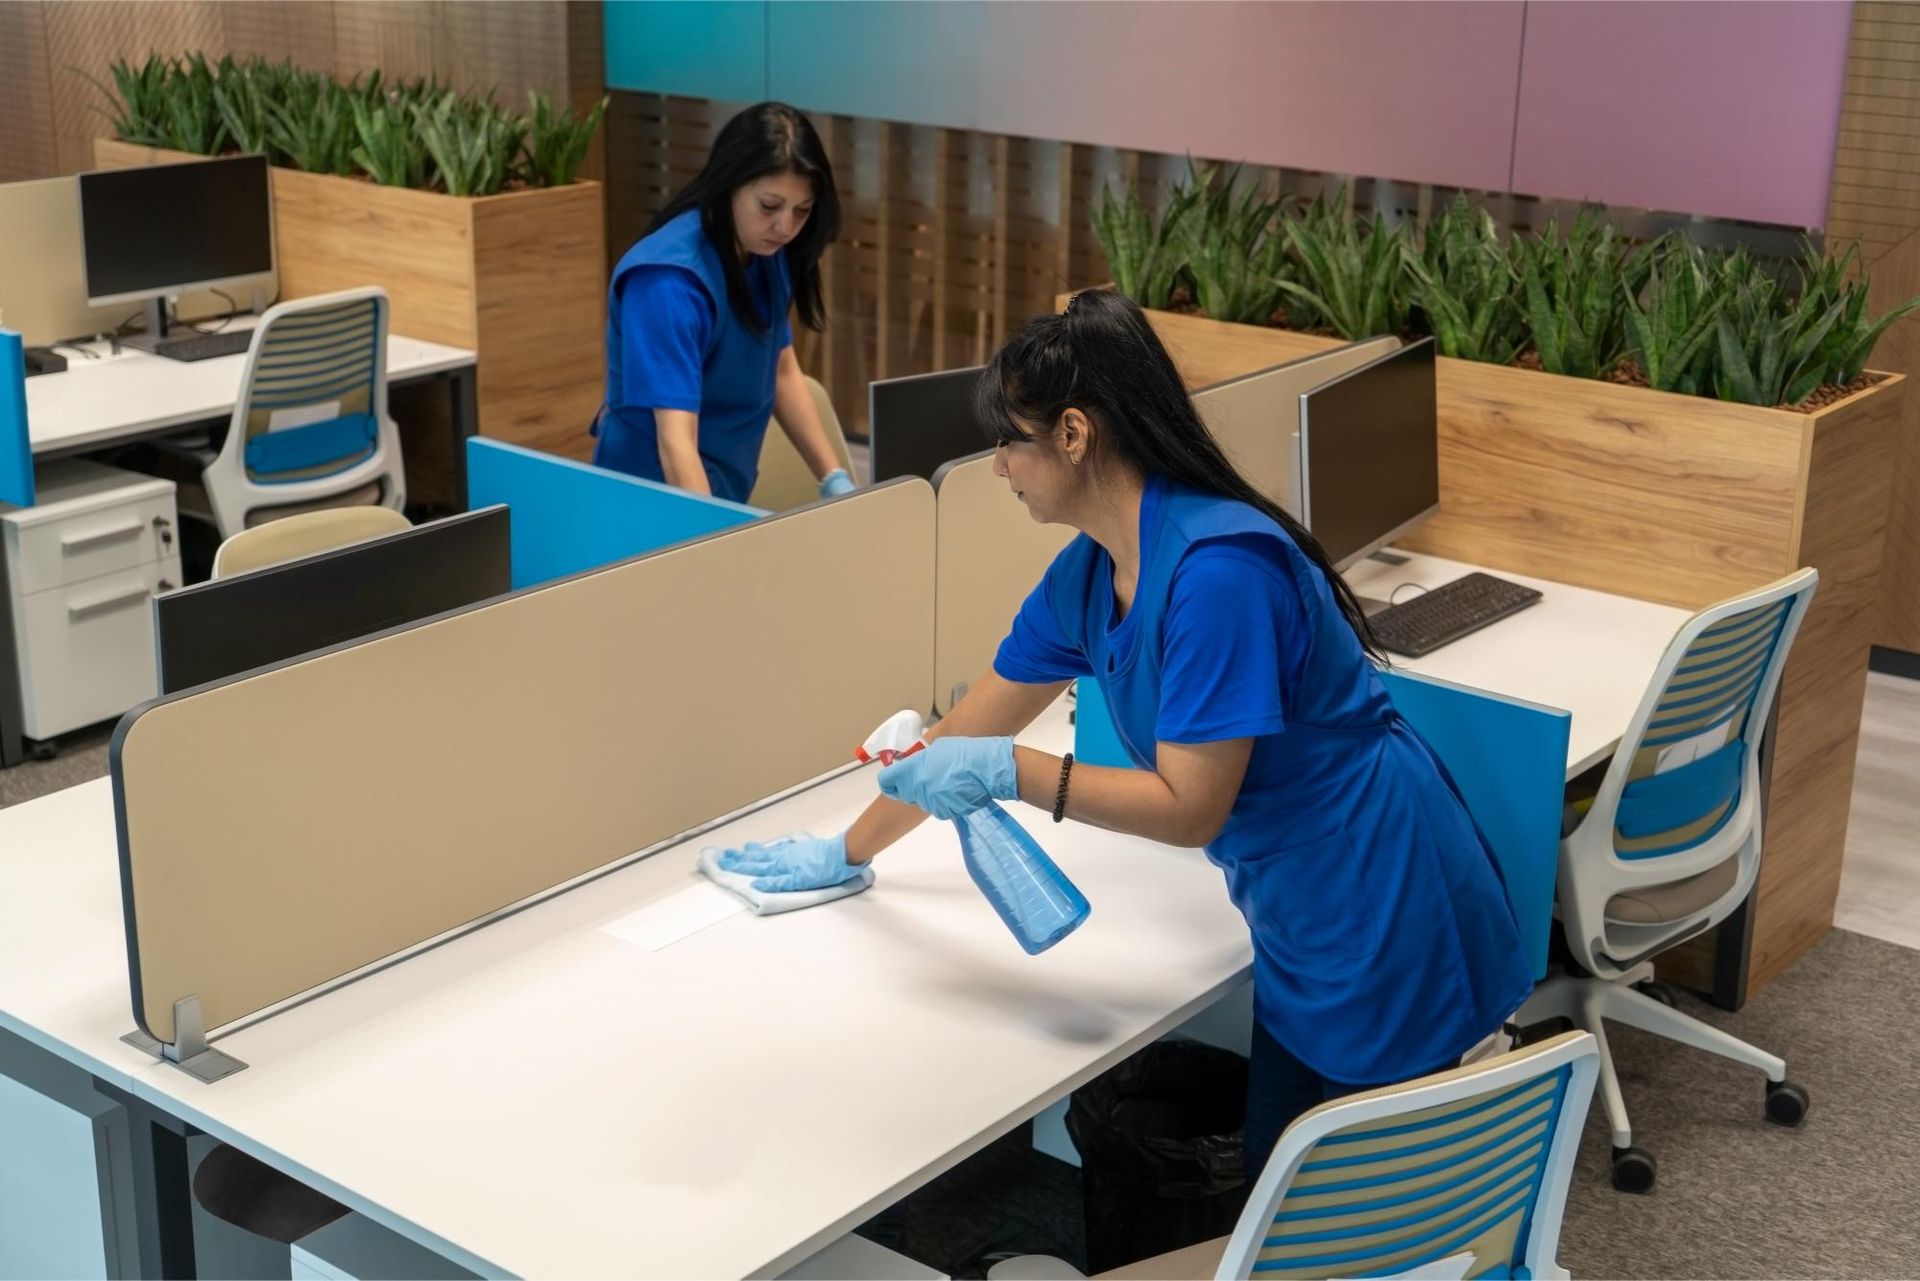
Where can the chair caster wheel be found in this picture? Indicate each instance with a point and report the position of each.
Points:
(42, 749)
(1787, 1103)
(1661, 992)
(1632, 1170)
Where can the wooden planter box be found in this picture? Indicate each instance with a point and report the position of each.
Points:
(1677, 499)
(518, 278)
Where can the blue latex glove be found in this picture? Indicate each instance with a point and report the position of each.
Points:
(836, 483)
(954, 776)
(799, 862)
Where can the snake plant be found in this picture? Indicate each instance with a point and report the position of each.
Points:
(1144, 258)
(1352, 275)
(1463, 282)
(1234, 253)
(1574, 291)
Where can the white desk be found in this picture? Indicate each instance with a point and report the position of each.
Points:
(119, 397)
(1586, 652)
(541, 1098)
(134, 394)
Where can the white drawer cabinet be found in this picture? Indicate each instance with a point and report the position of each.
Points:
(84, 563)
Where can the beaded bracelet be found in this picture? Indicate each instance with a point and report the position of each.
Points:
(1060, 796)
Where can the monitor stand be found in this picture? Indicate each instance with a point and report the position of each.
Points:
(156, 327)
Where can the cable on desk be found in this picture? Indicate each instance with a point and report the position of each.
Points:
(1393, 597)
(233, 309)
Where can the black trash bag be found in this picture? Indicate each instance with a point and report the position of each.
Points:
(1160, 1153)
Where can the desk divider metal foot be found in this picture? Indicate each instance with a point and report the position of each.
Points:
(189, 1051)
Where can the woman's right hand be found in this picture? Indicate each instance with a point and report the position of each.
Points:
(802, 861)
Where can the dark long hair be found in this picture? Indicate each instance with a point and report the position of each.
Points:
(769, 138)
(1103, 358)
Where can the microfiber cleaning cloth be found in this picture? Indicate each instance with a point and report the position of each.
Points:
(764, 903)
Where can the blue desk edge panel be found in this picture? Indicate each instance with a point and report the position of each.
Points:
(16, 449)
(570, 516)
(1509, 759)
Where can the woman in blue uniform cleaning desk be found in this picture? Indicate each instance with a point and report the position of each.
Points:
(1240, 675)
(699, 347)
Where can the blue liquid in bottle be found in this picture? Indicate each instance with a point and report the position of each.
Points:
(1033, 896)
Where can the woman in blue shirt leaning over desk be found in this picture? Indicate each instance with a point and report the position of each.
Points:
(699, 348)
(1241, 678)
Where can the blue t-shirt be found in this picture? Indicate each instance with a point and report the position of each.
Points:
(674, 342)
(1384, 945)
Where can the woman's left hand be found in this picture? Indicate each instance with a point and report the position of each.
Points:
(953, 777)
(836, 483)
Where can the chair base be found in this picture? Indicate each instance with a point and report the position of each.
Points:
(1589, 1003)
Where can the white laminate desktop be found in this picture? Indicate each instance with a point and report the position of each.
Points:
(63, 945)
(1589, 653)
(117, 396)
(539, 1097)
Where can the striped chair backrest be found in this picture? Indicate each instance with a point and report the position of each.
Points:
(1408, 1191)
(1686, 774)
(313, 406)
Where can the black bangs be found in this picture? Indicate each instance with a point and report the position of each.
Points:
(993, 408)
(1032, 378)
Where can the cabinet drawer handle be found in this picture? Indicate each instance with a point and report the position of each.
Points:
(73, 546)
(80, 609)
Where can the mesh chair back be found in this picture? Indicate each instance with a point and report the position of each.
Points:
(1415, 1189)
(313, 405)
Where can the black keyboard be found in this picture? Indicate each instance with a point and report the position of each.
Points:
(204, 346)
(1448, 612)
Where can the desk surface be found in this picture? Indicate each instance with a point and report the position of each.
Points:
(96, 402)
(541, 1098)
(63, 945)
(1586, 652)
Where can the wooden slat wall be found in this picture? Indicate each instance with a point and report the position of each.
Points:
(1876, 167)
(52, 112)
(1876, 199)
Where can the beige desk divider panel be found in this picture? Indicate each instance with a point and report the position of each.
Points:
(287, 828)
(43, 276)
(1254, 417)
(990, 553)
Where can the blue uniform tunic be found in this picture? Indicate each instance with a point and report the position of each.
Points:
(1384, 944)
(673, 342)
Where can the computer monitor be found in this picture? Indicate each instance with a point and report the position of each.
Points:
(916, 424)
(1367, 465)
(157, 230)
(213, 630)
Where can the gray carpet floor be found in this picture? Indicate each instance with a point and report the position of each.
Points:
(1736, 1197)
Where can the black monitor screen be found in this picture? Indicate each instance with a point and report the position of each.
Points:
(916, 424)
(1370, 453)
(164, 227)
(217, 629)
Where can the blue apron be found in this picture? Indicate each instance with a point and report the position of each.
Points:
(1384, 945)
(737, 374)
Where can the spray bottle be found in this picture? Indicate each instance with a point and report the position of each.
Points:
(1028, 889)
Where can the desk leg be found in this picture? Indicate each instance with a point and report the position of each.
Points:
(464, 396)
(11, 712)
(163, 1189)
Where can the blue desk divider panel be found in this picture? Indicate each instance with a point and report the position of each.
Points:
(1095, 741)
(569, 516)
(16, 451)
(1509, 760)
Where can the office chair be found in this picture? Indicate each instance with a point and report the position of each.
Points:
(785, 482)
(1459, 1174)
(303, 535)
(1671, 845)
(310, 428)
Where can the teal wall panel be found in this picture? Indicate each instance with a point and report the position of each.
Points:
(16, 450)
(698, 48)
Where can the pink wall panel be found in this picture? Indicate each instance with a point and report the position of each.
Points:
(1729, 109)
(1409, 89)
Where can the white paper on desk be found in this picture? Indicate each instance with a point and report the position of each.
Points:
(665, 922)
(303, 416)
